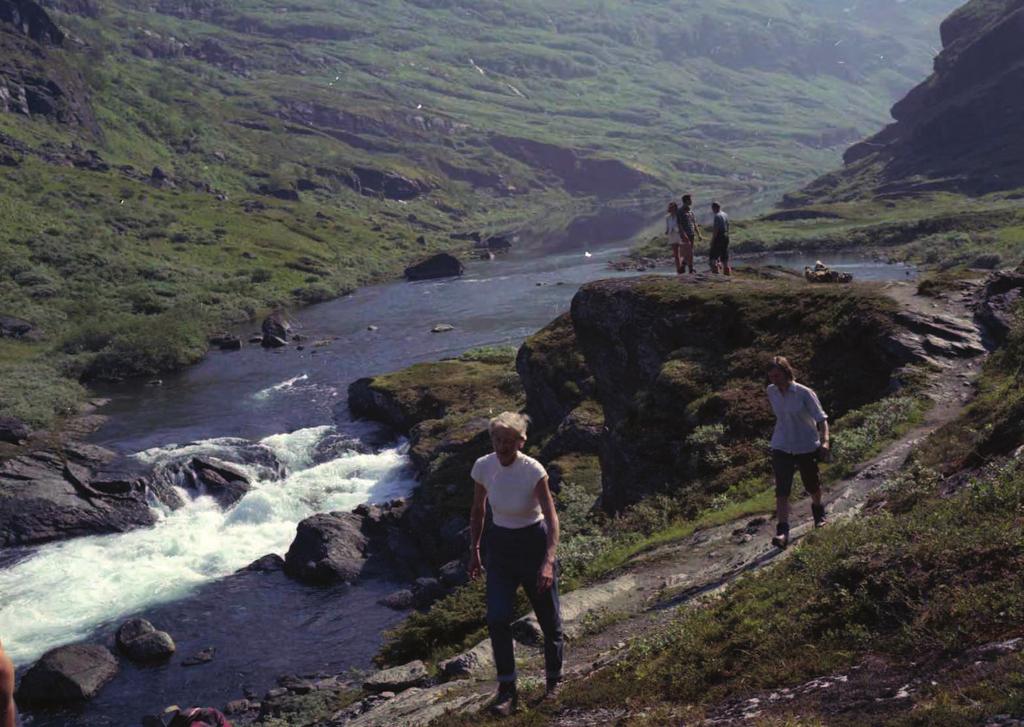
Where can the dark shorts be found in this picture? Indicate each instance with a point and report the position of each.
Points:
(785, 465)
(720, 249)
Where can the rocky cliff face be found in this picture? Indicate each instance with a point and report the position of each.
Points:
(960, 129)
(35, 81)
(678, 372)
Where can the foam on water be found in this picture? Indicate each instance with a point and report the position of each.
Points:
(283, 386)
(66, 590)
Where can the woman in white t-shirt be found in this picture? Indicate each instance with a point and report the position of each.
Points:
(521, 544)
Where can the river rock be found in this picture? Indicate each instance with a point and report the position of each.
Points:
(453, 574)
(399, 600)
(442, 328)
(63, 491)
(67, 675)
(226, 483)
(328, 548)
(425, 591)
(13, 431)
(270, 563)
(397, 679)
(441, 265)
(203, 656)
(140, 641)
(276, 330)
(227, 342)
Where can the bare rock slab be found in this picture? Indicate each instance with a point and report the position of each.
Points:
(66, 675)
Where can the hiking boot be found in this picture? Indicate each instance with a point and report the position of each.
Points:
(554, 686)
(781, 539)
(506, 702)
(819, 515)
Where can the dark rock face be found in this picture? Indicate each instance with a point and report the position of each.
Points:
(998, 302)
(79, 490)
(30, 19)
(959, 130)
(140, 641)
(441, 265)
(639, 367)
(67, 675)
(386, 184)
(580, 174)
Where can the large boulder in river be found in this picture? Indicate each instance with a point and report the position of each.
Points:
(328, 548)
(140, 641)
(226, 483)
(441, 265)
(67, 675)
(276, 330)
(70, 490)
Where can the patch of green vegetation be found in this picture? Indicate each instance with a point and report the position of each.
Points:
(307, 709)
(259, 115)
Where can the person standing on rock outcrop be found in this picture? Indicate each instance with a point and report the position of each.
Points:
(719, 254)
(672, 235)
(521, 545)
(799, 440)
(689, 232)
(8, 712)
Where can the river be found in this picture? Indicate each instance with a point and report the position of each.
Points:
(179, 574)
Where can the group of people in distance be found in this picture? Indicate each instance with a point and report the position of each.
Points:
(520, 543)
(682, 233)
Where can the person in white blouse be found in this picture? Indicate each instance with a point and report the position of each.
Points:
(800, 439)
(521, 544)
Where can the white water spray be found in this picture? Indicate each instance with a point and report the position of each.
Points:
(66, 590)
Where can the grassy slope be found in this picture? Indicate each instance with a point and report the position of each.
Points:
(743, 96)
(932, 571)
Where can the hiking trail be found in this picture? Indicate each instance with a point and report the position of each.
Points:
(642, 596)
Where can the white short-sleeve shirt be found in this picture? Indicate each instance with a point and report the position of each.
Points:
(797, 414)
(512, 490)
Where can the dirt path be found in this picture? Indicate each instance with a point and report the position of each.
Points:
(600, 619)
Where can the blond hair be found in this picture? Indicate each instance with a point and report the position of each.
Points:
(511, 420)
(783, 365)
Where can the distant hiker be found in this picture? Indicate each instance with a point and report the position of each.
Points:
(799, 439)
(719, 254)
(8, 712)
(672, 234)
(521, 545)
(689, 232)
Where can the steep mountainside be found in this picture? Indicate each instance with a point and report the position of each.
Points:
(960, 129)
(169, 165)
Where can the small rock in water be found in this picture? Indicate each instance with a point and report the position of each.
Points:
(372, 328)
(204, 656)
(155, 382)
(442, 328)
(139, 640)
